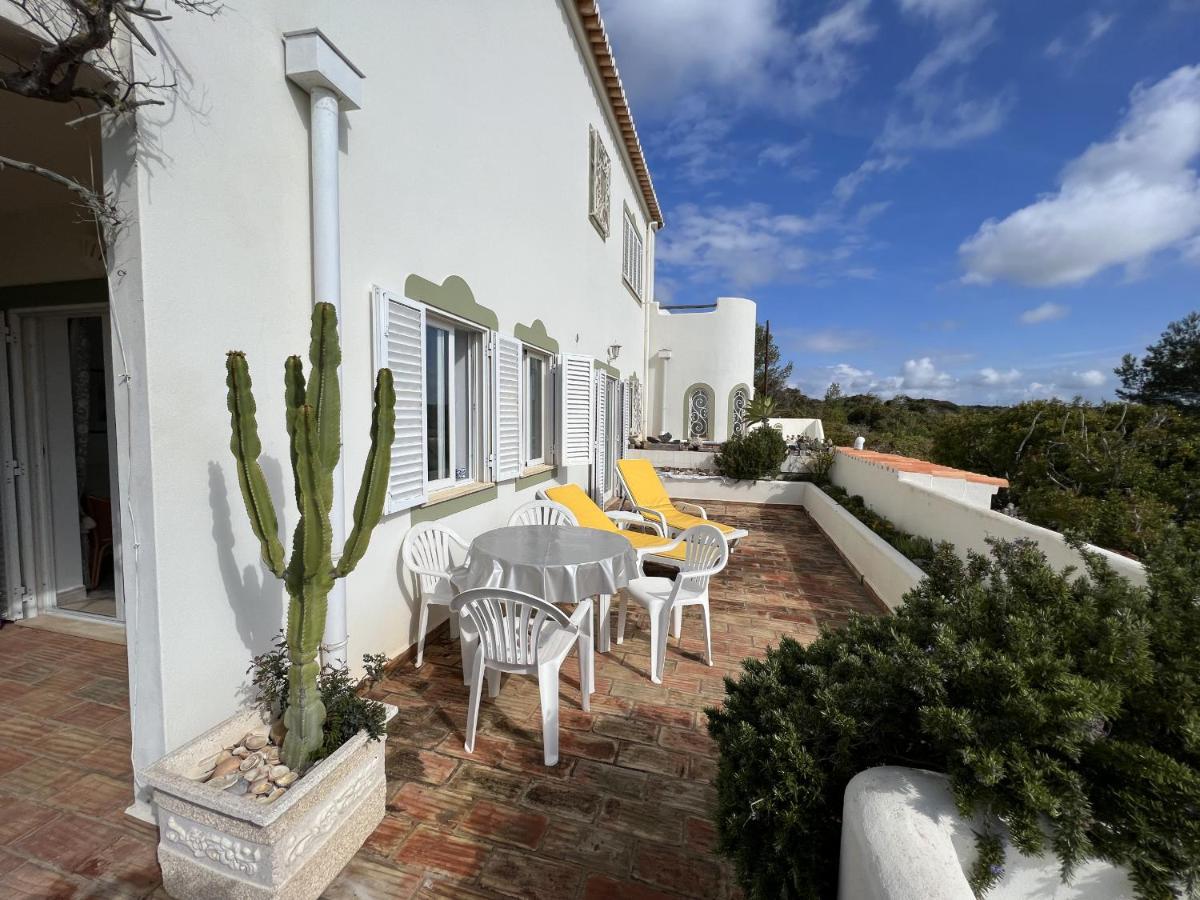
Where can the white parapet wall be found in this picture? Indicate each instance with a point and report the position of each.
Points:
(883, 569)
(794, 429)
(903, 839)
(921, 510)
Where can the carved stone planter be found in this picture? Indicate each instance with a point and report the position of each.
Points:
(213, 844)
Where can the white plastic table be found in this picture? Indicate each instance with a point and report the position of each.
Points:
(559, 563)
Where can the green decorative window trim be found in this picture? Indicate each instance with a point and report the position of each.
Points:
(535, 335)
(611, 370)
(537, 478)
(453, 296)
(729, 423)
(442, 508)
(711, 396)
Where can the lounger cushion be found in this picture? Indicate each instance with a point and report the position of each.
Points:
(646, 490)
(589, 515)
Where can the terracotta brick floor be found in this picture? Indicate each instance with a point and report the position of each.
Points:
(625, 814)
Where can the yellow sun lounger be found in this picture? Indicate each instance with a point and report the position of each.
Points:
(589, 515)
(643, 486)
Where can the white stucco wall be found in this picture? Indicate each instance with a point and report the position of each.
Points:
(904, 839)
(469, 157)
(919, 510)
(791, 429)
(715, 347)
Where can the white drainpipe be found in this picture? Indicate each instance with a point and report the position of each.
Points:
(333, 83)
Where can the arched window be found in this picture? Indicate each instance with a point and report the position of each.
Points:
(699, 412)
(739, 399)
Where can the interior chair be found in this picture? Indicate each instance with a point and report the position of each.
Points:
(519, 634)
(100, 538)
(705, 554)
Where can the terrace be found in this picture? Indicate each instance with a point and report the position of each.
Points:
(625, 813)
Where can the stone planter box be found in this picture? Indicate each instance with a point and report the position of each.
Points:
(217, 845)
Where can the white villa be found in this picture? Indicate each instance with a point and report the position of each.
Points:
(465, 182)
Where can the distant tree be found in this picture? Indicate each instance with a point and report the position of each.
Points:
(1169, 373)
(833, 393)
(766, 355)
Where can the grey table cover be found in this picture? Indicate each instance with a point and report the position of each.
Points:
(561, 564)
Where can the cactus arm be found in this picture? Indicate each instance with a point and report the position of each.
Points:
(324, 392)
(315, 493)
(373, 491)
(293, 396)
(246, 447)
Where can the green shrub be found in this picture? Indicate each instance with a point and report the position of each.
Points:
(754, 455)
(1050, 702)
(920, 550)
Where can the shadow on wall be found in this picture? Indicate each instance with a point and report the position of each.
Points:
(254, 593)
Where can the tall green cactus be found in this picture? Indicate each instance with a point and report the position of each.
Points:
(314, 427)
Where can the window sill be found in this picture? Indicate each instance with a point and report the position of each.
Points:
(459, 490)
(449, 501)
(530, 471)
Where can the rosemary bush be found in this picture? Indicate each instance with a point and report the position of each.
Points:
(1065, 710)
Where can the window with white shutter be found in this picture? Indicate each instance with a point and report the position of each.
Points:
(626, 415)
(506, 407)
(400, 346)
(600, 471)
(536, 409)
(632, 262)
(576, 393)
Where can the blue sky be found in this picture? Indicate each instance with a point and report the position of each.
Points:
(979, 200)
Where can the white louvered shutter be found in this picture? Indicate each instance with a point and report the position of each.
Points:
(576, 392)
(601, 470)
(400, 333)
(626, 415)
(506, 407)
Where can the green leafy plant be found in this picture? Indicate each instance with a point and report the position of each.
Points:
(347, 712)
(313, 413)
(761, 409)
(1065, 711)
(754, 455)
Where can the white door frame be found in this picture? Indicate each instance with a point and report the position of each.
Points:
(15, 600)
(29, 419)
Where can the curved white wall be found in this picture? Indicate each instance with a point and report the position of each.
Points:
(714, 348)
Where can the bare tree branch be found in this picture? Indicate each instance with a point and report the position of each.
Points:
(99, 204)
(77, 63)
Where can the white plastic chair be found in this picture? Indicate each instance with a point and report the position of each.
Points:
(521, 634)
(706, 553)
(427, 553)
(542, 512)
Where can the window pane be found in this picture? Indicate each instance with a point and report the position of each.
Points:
(533, 391)
(463, 433)
(437, 401)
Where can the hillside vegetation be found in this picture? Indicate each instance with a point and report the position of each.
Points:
(1116, 474)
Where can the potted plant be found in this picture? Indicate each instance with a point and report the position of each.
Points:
(257, 807)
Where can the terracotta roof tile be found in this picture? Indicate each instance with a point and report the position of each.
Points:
(589, 11)
(920, 467)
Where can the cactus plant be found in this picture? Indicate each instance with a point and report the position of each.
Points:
(313, 410)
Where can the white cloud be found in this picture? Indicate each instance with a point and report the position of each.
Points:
(921, 374)
(849, 184)
(994, 377)
(1074, 46)
(1089, 379)
(1119, 203)
(941, 10)
(935, 107)
(748, 51)
(745, 245)
(1047, 312)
